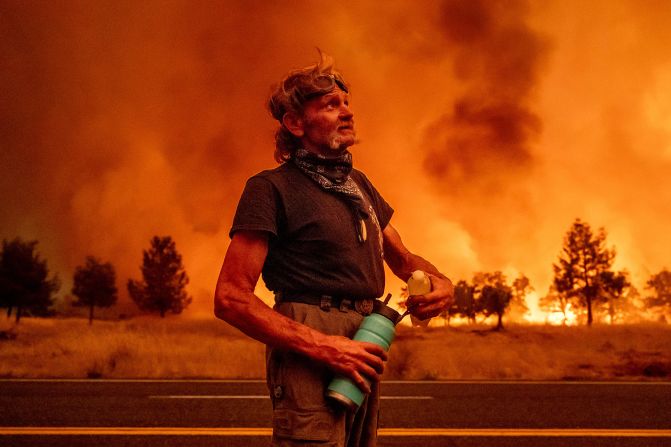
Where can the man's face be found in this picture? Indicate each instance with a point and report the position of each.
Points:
(328, 124)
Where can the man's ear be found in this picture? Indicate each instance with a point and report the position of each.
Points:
(294, 124)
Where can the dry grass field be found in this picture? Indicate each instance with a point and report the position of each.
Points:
(135, 348)
(190, 348)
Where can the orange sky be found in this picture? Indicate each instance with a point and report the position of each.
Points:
(489, 126)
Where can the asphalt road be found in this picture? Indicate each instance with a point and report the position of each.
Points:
(232, 413)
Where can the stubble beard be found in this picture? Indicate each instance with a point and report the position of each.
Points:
(340, 143)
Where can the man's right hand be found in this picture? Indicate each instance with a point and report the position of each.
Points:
(357, 360)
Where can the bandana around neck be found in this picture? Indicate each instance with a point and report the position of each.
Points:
(332, 174)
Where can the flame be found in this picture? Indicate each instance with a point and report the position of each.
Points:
(558, 318)
(553, 316)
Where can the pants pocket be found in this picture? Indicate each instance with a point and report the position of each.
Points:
(301, 415)
(297, 425)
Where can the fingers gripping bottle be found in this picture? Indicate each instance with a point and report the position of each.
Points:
(419, 284)
(380, 328)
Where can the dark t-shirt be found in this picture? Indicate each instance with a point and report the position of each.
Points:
(313, 246)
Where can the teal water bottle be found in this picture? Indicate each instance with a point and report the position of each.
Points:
(380, 328)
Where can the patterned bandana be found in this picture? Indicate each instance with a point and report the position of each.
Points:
(332, 174)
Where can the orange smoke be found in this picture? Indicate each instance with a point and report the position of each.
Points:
(489, 126)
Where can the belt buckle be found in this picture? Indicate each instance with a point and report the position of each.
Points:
(364, 307)
(325, 303)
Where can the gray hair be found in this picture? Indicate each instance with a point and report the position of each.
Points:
(291, 94)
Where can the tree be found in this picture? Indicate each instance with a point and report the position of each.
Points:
(464, 301)
(94, 285)
(24, 282)
(521, 287)
(660, 286)
(164, 279)
(582, 262)
(614, 286)
(494, 295)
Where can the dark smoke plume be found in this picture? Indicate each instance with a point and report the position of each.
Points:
(491, 127)
(482, 148)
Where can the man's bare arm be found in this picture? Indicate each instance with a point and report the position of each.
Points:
(402, 262)
(236, 303)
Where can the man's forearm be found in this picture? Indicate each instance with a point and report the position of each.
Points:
(416, 262)
(251, 315)
(405, 264)
(402, 261)
(235, 303)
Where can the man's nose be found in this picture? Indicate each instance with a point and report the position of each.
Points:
(345, 112)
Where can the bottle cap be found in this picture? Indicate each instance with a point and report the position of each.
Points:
(382, 309)
(418, 275)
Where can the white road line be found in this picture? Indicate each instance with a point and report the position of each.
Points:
(257, 396)
(383, 432)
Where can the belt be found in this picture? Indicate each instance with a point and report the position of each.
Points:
(326, 302)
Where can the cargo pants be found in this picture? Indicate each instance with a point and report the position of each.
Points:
(302, 415)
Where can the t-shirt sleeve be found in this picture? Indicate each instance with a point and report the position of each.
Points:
(383, 210)
(257, 208)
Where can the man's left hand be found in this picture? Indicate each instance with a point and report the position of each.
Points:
(433, 303)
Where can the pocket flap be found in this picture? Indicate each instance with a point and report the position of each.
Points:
(313, 425)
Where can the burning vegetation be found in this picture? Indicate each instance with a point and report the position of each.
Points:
(586, 287)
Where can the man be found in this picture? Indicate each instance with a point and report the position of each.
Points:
(318, 231)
